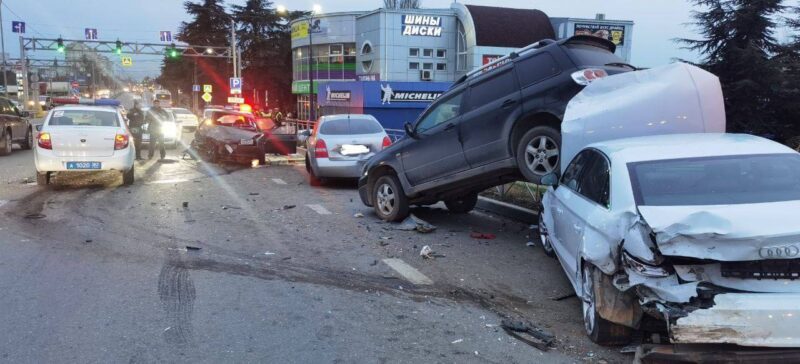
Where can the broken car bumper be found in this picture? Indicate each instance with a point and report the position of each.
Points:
(746, 319)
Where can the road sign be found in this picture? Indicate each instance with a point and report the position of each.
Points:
(18, 26)
(206, 97)
(127, 61)
(166, 36)
(207, 89)
(90, 33)
(236, 85)
(195, 88)
(235, 100)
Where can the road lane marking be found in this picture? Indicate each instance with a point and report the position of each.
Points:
(279, 181)
(319, 209)
(408, 272)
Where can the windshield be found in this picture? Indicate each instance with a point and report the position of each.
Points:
(717, 180)
(238, 121)
(83, 118)
(350, 126)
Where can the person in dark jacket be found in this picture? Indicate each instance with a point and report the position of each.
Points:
(154, 118)
(135, 123)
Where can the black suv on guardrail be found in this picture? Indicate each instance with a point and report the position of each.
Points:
(497, 124)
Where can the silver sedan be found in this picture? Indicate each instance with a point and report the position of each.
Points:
(339, 145)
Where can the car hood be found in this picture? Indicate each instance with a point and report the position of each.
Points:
(726, 232)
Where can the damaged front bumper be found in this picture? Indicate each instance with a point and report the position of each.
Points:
(746, 319)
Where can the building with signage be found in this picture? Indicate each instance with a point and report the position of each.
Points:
(392, 63)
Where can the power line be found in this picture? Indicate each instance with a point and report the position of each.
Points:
(19, 17)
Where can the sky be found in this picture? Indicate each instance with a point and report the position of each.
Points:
(656, 22)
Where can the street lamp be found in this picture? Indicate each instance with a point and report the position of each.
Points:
(316, 9)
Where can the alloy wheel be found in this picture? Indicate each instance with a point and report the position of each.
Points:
(385, 199)
(541, 155)
(544, 237)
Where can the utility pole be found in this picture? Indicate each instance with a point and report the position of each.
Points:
(195, 102)
(22, 61)
(233, 48)
(3, 46)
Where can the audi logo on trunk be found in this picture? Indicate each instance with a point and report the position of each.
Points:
(779, 252)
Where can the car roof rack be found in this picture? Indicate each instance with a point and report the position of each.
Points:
(498, 62)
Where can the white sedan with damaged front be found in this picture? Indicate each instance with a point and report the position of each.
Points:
(696, 230)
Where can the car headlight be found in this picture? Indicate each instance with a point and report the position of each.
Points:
(169, 130)
(643, 268)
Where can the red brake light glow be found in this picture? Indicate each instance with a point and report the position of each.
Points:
(44, 141)
(585, 77)
(120, 141)
(386, 142)
(320, 149)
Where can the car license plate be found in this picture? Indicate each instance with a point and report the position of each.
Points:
(349, 149)
(246, 142)
(84, 165)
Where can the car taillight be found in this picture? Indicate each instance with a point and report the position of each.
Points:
(320, 149)
(585, 77)
(386, 142)
(44, 140)
(120, 141)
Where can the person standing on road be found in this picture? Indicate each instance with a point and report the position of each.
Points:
(277, 117)
(154, 118)
(135, 122)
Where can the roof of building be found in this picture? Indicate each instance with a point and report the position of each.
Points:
(506, 27)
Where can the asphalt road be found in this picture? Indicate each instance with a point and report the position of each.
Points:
(92, 271)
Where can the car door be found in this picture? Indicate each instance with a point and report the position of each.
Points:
(490, 102)
(436, 151)
(540, 88)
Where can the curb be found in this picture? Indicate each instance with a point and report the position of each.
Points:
(521, 214)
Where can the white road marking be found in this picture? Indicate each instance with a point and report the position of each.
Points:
(167, 181)
(319, 209)
(279, 181)
(408, 272)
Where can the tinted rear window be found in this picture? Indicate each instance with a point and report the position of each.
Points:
(586, 55)
(83, 118)
(352, 126)
(724, 180)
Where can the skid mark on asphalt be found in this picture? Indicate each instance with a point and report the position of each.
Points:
(319, 209)
(408, 272)
(177, 294)
(279, 181)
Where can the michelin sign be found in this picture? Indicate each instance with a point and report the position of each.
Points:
(422, 25)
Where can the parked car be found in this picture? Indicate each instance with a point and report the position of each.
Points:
(83, 138)
(185, 118)
(14, 127)
(692, 230)
(339, 146)
(170, 129)
(236, 137)
(495, 125)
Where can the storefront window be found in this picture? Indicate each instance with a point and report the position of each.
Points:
(331, 62)
(461, 49)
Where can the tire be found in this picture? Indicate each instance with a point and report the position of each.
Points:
(313, 179)
(538, 153)
(389, 201)
(28, 143)
(5, 144)
(463, 204)
(599, 330)
(42, 178)
(544, 237)
(128, 176)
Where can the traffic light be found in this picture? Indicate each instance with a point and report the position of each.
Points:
(60, 45)
(172, 51)
(118, 48)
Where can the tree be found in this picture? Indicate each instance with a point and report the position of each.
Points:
(788, 100)
(402, 4)
(738, 46)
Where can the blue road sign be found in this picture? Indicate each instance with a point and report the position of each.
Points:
(196, 88)
(90, 33)
(236, 83)
(166, 36)
(18, 26)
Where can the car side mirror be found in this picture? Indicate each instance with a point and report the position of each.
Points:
(39, 127)
(550, 179)
(409, 128)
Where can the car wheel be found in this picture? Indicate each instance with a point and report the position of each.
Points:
(538, 153)
(42, 178)
(463, 204)
(128, 176)
(5, 144)
(28, 143)
(544, 236)
(389, 200)
(313, 179)
(599, 330)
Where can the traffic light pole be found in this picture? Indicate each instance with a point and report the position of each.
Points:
(24, 93)
(3, 49)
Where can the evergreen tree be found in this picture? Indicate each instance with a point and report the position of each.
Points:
(737, 47)
(788, 101)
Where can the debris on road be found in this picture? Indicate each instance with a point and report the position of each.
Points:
(426, 252)
(457, 341)
(254, 193)
(563, 297)
(269, 253)
(530, 244)
(529, 334)
(482, 236)
(287, 207)
(88, 240)
(286, 258)
(358, 214)
(414, 223)
(185, 204)
(225, 207)
(35, 216)
(189, 247)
